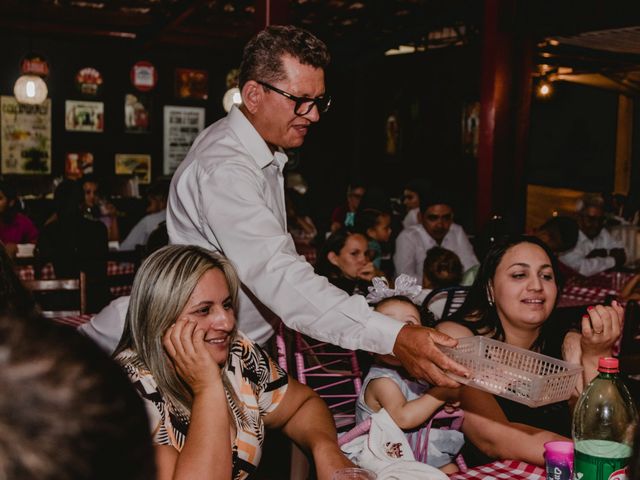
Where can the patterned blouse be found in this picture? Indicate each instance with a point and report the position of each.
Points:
(259, 385)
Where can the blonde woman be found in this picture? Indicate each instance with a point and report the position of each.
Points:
(209, 390)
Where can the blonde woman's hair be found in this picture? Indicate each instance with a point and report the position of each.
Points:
(160, 291)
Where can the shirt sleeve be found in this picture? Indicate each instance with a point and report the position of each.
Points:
(577, 259)
(136, 236)
(30, 231)
(465, 251)
(236, 214)
(403, 259)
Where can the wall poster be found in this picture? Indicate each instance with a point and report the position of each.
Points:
(25, 137)
(134, 164)
(78, 164)
(81, 116)
(137, 113)
(181, 126)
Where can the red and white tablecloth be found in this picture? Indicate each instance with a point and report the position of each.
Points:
(73, 320)
(583, 291)
(503, 469)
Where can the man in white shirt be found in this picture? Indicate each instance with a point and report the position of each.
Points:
(596, 250)
(436, 228)
(228, 196)
(157, 213)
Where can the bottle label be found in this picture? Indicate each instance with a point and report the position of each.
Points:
(591, 467)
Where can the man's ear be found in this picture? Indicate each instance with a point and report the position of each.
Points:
(252, 93)
(333, 259)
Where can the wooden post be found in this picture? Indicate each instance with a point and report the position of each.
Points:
(624, 138)
(271, 12)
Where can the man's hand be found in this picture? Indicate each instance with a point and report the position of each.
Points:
(416, 348)
(619, 256)
(598, 252)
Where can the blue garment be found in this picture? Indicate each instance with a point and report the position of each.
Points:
(444, 445)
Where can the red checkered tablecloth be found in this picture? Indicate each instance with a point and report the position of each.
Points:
(583, 291)
(503, 469)
(73, 320)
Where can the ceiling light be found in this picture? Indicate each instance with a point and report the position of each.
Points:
(231, 97)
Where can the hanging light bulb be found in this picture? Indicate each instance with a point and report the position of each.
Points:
(30, 89)
(544, 89)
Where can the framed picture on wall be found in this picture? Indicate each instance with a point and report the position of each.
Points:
(82, 116)
(137, 113)
(78, 164)
(25, 135)
(134, 164)
(181, 126)
(192, 83)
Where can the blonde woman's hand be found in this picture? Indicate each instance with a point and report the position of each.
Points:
(185, 346)
(601, 328)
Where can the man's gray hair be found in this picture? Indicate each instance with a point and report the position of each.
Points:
(262, 56)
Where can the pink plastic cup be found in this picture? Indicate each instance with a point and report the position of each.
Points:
(558, 457)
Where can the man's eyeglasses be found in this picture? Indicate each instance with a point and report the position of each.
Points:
(303, 104)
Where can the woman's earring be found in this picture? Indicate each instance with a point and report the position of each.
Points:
(489, 298)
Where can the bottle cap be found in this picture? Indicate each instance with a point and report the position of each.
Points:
(608, 365)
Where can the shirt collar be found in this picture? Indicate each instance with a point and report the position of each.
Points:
(254, 143)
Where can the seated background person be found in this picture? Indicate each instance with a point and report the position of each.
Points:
(209, 390)
(157, 212)
(442, 268)
(512, 300)
(344, 261)
(66, 409)
(74, 243)
(15, 227)
(413, 191)
(559, 233)
(596, 250)
(436, 229)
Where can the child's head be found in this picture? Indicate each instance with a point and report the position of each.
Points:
(375, 224)
(399, 308)
(442, 268)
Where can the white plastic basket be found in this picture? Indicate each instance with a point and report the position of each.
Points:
(514, 373)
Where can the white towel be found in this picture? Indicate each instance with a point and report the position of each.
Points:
(386, 452)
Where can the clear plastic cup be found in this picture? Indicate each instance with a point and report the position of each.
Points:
(558, 459)
(354, 473)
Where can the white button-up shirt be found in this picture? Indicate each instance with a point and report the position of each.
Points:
(576, 258)
(413, 243)
(228, 196)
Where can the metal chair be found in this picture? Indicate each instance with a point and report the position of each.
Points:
(454, 298)
(333, 373)
(47, 289)
(453, 422)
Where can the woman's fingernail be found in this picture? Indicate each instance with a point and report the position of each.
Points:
(590, 307)
(585, 317)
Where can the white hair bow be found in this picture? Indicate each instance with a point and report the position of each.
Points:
(405, 285)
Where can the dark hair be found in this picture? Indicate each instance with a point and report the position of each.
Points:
(418, 185)
(10, 192)
(634, 464)
(67, 199)
(424, 320)
(14, 297)
(442, 267)
(159, 189)
(262, 56)
(476, 313)
(366, 219)
(435, 196)
(334, 243)
(564, 230)
(66, 409)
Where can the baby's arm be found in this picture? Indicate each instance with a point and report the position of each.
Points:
(384, 393)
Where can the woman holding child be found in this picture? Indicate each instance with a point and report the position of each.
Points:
(512, 300)
(209, 390)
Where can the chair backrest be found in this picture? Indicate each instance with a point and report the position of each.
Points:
(333, 373)
(454, 420)
(48, 288)
(454, 297)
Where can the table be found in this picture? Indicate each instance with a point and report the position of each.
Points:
(584, 291)
(74, 320)
(503, 469)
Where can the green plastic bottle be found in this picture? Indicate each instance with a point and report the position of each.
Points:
(604, 423)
